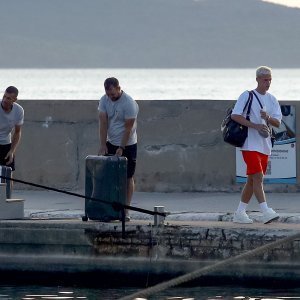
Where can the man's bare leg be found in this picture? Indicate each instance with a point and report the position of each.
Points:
(247, 190)
(258, 188)
(130, 190)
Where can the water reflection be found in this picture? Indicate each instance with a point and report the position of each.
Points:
(30, 292)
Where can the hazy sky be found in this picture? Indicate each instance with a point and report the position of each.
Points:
(291, 3)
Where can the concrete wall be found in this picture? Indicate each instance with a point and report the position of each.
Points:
(180, 145)
(94, 249)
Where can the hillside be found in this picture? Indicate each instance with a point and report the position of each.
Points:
(148, 33)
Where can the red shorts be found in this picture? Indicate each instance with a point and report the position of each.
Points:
(256, 162)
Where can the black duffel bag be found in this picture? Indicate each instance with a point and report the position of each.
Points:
(234, 133)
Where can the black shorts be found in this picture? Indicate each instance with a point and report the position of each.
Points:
(4, 149)
(129, 152)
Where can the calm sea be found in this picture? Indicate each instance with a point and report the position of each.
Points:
(147, 84)
(195, 293)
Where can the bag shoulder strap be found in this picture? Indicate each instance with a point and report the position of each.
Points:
(257, 99)
(248, 103)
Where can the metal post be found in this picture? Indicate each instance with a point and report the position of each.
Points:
(159, 220)
(123, 222)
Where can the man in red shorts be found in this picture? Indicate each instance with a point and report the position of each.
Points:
(265, 111)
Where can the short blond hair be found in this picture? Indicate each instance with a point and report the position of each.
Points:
(263, 70)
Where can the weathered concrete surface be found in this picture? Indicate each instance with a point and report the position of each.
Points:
(63, 245)
(180, 145)
(58, 246)
(201, 206)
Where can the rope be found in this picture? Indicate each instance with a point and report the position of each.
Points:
(208, 269)
(117, 206)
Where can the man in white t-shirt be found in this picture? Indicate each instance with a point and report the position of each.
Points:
(265, 112)
(118, 121)
(11, 121)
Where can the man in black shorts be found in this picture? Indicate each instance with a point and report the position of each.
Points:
(117, 120)
(11, 121)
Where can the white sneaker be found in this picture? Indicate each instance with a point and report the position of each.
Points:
(241, 217)
(270, 215)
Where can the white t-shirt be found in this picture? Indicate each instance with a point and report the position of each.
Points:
(8, 121)
(118, 111)
(254, 141)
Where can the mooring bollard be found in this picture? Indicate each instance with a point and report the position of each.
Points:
(159, 220)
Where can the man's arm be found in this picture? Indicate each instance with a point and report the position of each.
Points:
(243, 121)
(272, 121)
(103, 123)
(128, 127)
(16, 137)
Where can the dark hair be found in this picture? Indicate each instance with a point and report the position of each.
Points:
(12, 90)
(111, 81)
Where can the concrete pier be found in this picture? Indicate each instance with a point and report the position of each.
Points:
(75, 247)
(53, 242)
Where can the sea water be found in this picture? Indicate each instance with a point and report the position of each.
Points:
(147, 84)
(31, 292)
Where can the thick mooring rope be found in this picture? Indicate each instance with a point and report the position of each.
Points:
(208, 269)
